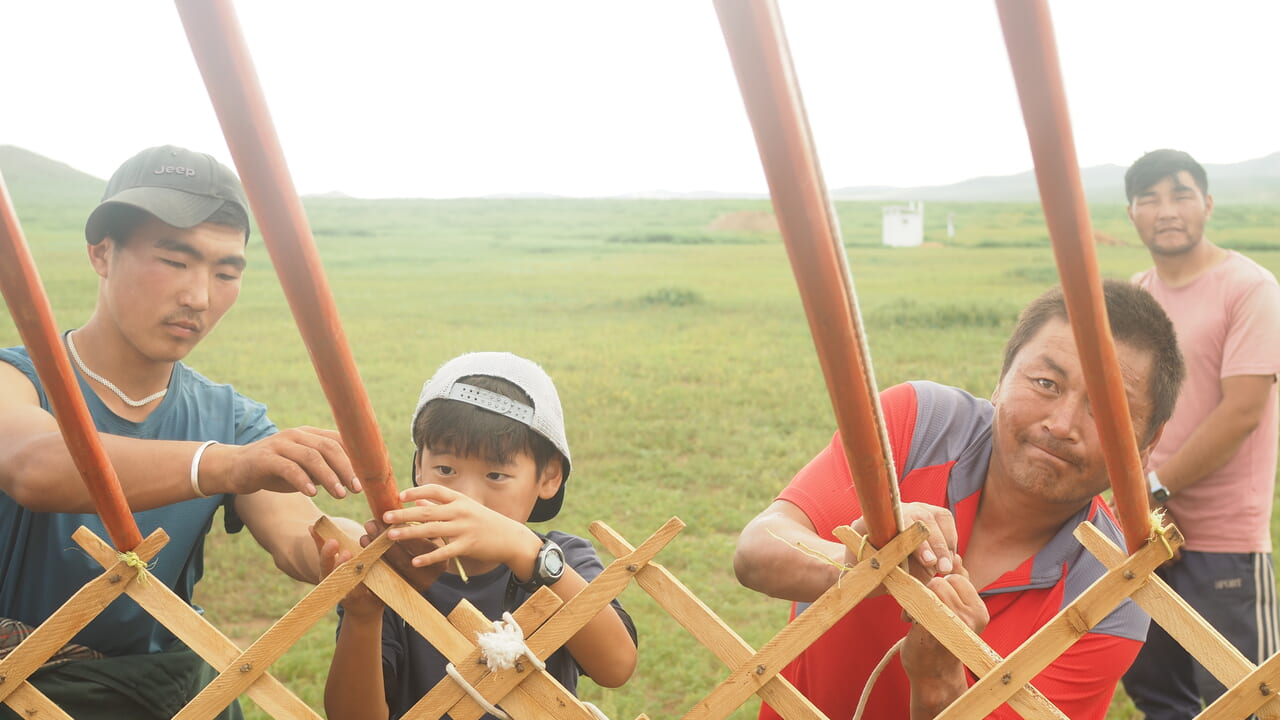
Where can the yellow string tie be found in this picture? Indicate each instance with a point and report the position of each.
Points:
(819, 555)
(131, 559)
(1158, 530)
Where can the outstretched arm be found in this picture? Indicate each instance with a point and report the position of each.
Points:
(768, 560)
(602, 648)
(37, 471)
(1217, 439)
(281, 522)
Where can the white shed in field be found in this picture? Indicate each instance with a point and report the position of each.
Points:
(904, 224)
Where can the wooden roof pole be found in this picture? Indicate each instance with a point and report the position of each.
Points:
(229, 75)
(762, 61)
(1033, 52)
(29, 306)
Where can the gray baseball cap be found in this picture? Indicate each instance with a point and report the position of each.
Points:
(180, 187)
(545, 417)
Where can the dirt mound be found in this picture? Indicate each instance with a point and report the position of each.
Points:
(745, 220)
(1102, 238)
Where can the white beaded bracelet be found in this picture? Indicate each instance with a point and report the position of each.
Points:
(195, 467)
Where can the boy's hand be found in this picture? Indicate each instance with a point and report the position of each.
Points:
(468, 528)
(401, 554)
(360, 601)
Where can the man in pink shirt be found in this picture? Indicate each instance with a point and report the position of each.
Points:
(1214, 469)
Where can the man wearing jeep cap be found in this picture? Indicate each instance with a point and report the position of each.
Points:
(168, 245)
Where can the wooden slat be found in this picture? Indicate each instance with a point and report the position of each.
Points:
(410, 604)
(580, 609)
(706, 627)
(1060, 633)
(542, 696)
(1227, 664)
(1258, 688)
(1028, 34)
(925, 608)
(749, 676)
(29, 305)
(31, 704)
(193, 629)
(762, 63)
(249, 665)
(78, 611)
(448, 693)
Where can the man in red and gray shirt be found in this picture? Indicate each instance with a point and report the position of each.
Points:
(1001, 485)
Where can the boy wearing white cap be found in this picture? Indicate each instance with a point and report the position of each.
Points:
(491, 455)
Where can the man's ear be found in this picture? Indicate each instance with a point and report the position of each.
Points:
(1129, 210)
(1208, 207)
(552, 478)
(99, 253)
(1144, 453)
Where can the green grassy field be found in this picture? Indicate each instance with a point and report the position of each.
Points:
(682, 356)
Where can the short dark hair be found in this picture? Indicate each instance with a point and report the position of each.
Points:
(120, 221)
(1137, 320)
(1158, 165)
(460, 428)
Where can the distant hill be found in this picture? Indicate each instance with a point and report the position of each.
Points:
(36, 180)
(524, 196)
(686, 195)
(1251, 181)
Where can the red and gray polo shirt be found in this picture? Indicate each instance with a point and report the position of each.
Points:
(941, 442)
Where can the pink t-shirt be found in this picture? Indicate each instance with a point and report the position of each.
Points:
(1228, 324)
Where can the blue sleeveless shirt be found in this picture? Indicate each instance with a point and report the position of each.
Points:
(41, 566)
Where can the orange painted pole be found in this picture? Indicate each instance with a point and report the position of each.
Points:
(762, 61)
(229, 75)
(1033, 52)
(29, 306)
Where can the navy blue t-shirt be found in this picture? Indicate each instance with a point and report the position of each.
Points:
(411, 666)
(41, 566)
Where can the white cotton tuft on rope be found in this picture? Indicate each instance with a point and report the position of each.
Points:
(504, 645)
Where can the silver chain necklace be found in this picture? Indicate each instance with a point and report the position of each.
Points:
(71, 345)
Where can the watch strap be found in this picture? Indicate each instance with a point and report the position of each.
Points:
(542, 576)
(1157, 488)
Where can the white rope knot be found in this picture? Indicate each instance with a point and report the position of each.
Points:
(503, 647)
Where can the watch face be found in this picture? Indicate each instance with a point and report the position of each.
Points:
(553, 562)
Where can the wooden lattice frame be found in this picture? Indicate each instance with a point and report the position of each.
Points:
(536, 694)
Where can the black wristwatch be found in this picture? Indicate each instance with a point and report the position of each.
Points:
(1157, 488)
(547, 568)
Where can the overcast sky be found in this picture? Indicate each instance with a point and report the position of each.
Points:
(388, 98)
